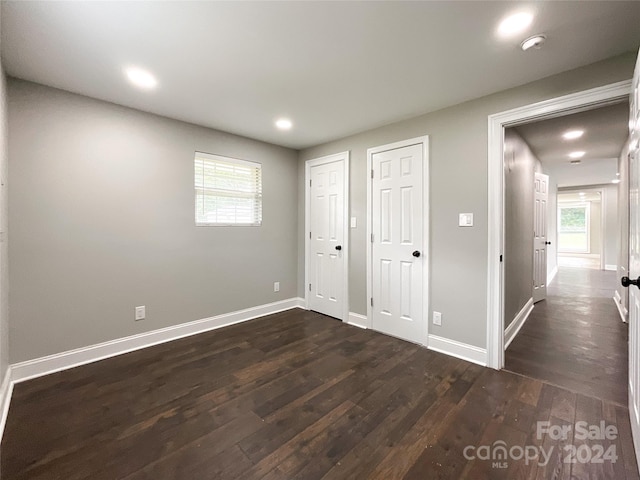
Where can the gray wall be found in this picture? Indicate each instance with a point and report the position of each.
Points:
(102, 209)
(458, 183)
(520, 165)
(4, 230)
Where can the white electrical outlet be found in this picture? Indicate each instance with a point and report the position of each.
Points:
(437, 318)
(141, 312)
(276, 286)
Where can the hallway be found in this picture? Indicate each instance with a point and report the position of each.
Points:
(575, 338)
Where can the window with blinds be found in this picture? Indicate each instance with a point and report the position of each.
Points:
(228, 191)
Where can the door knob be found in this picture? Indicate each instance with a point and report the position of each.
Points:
(547, 243)
(626, 281)
(416, 254)
(338, 247)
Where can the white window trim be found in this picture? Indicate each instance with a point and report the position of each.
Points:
(233, 161)
(587, 213)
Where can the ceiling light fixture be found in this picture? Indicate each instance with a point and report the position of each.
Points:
(284, 124)
(514, 24)
(576, 154)
(615, 180)
(141, 78)
(572, 134)
(533, 42)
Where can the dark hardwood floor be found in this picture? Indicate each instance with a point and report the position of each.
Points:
(295, 395)
(575, 338)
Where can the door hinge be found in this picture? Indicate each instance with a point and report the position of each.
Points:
(500, 258)
(372, 238)
(309, 235)
(372, 301)
(310, 182)
(371, 173)
(309, 287)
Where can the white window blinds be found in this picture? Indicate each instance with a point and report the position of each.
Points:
(228, 191)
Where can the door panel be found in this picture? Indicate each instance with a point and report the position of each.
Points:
(634, 255)
(541, 201)
(326, 212)
(397, 226)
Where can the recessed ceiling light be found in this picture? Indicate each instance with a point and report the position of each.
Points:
(284, 124)
(615, 180)
(533, 42)
(582, 193)
(573, 134)
(141, 78)
(514, 24)
(576, 154)
(618, 174)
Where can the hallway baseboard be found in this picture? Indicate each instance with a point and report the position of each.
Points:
(514, 327)
(622, 310)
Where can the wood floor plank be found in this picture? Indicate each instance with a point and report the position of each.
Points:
(294, 395)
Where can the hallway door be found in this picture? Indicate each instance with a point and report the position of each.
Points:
(541, 202)
(634, 258)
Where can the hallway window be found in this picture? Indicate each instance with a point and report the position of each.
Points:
(573, 228)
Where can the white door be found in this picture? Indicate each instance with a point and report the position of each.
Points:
(541, 201)
(634, 256)
(397, 242)
(326, 252)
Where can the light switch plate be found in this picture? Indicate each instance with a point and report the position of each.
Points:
(141, 313)
(465, 220)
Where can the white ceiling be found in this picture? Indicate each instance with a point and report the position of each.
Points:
(335, 68)
(605, 132)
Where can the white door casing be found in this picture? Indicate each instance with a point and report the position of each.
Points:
(600, 96)
(540, 204)
(398, 251)
(634, 258)
(326, 245)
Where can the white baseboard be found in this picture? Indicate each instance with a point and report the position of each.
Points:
(358, 320)
(300, 302)
(461, 350)
(612, 268)
(62, 361)
(514, 327)
(551, 275)
(622, 310)
(5, 399)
